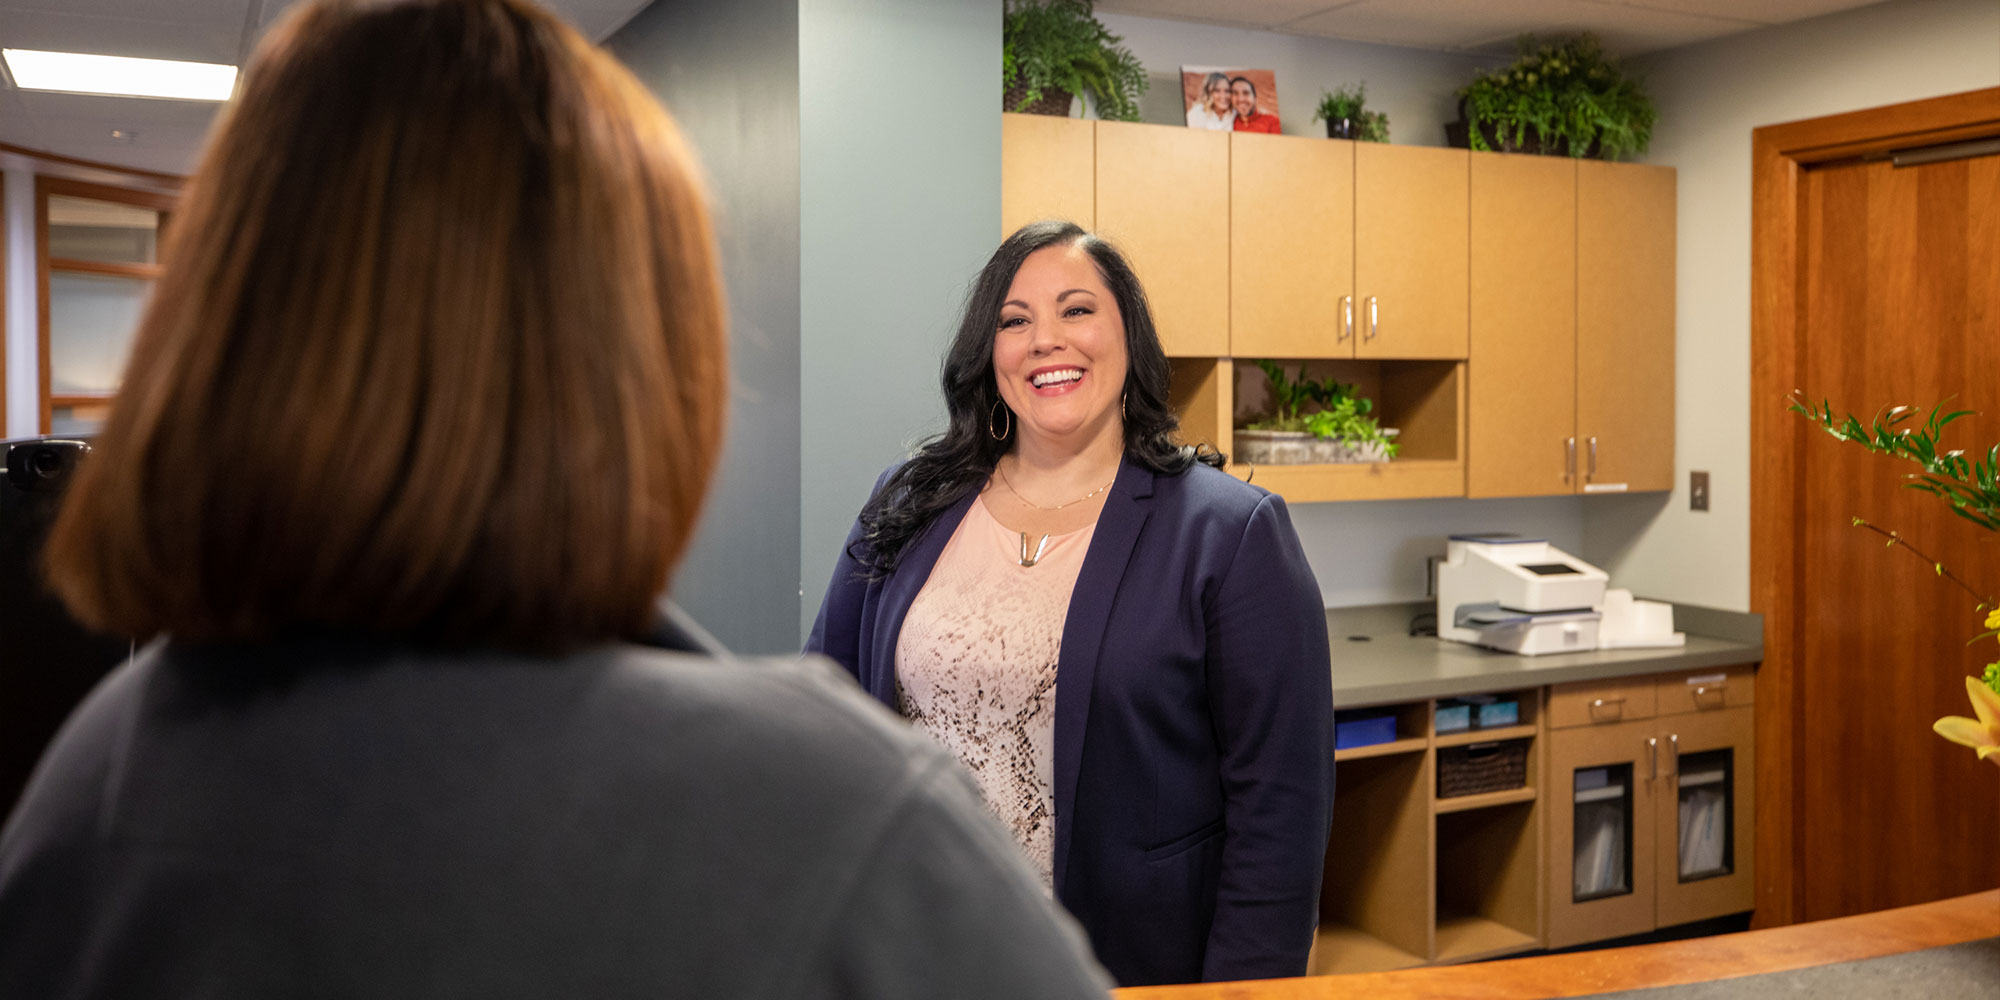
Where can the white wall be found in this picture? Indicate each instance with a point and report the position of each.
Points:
(1415, 87)
(22, 340)
(1710, 96)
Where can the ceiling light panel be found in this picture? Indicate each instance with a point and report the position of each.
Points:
(119, 76)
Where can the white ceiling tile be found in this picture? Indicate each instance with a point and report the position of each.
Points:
(1492, 25)
(144, 10)
(1249, 14)
(17, 126)
(212, 41)
(1760, 11)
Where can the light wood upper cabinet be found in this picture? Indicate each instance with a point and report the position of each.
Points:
(1592, 411)
(1410, 245)
(1625, 325)
(1522, 391)
(1291, 247)
(1163, 198)
(1047, 171)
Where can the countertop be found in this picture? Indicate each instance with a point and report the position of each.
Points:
(1389, 665)
(1947, 946)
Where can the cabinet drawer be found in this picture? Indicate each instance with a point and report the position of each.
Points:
(1706, 690)
(1597, 703)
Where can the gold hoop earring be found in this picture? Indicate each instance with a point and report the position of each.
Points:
(999, 407)
(1123, 413)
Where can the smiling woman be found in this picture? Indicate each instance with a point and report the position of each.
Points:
(1057, 571)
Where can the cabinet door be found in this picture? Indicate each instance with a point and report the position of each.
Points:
(1291, 247)
(1163, 198)
(1521, 419)
(1601, 792)
(1047, 171)
(1409, 251)
(1625, 326)
(1707, 788)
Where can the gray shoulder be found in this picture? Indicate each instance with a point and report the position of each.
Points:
(803, 708)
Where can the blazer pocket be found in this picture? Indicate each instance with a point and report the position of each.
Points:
(1184, 843)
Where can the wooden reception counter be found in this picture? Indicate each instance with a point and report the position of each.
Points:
(1698, 960)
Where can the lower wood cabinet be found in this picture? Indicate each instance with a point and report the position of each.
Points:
(1650, 818)
(1633, 812)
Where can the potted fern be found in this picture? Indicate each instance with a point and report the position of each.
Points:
(1561, 97)
(1051, 50)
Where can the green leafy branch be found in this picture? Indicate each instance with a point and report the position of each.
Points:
(1971, 488)
(1057, 45)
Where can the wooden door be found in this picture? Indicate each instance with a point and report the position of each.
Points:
(1594, 771)
(1047, 171)
(1703, 811)
(1900, 306)
(1163, 198)
(1291, 247)
(1410, 239)
(1625, 220)
(1521, 419)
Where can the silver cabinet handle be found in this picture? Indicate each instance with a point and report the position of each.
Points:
(1618, 703)
(1346, 317)
(1374, 318)
(1653, 756)
(1719, 688)
(1569, 459)
(1674, 751)
(1590, 472)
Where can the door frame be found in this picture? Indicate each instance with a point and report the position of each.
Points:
(1779, 155)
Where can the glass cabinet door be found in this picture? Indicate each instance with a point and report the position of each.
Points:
(1707, 787)
(1602, 836)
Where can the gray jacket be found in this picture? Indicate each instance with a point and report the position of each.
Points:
(332, 818)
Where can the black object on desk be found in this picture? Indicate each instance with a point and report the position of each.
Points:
(49, 662)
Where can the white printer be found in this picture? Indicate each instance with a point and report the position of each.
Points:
(1519, 595)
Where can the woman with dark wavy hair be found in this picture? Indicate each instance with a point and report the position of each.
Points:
(1123, 643)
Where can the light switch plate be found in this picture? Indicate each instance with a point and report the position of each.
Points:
(1697, 491)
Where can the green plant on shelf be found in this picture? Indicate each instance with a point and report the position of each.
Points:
(1058, 48)
(1351, 104)
(1342, 416)
(1565, 93)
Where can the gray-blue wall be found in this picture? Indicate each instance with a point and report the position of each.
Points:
(853, 147)
(729, 72)
(899, 136)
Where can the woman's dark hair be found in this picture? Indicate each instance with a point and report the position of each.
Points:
(946, 467)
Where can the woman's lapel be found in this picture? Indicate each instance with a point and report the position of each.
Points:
(1104, 565)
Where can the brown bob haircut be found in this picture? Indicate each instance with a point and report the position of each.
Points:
(438, 353)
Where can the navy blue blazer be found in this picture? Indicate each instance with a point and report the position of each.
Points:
(1193, 728)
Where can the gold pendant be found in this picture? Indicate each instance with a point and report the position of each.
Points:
(1030, 560)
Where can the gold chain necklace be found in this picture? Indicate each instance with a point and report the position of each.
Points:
(1031, 503)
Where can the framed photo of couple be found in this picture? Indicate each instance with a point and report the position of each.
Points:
(1227, 99)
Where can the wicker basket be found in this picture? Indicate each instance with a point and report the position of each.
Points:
(1482, 767)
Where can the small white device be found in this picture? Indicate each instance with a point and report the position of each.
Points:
(1518, 595)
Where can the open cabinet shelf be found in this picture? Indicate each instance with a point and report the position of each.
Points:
(1423, 399)
(1340, 950)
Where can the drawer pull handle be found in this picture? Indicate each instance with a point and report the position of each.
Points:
(1719, 689)
(1617, 703)
(1653, 756)
(1674, 751)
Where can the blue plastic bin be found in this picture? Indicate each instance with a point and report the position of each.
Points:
(1363, 731)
